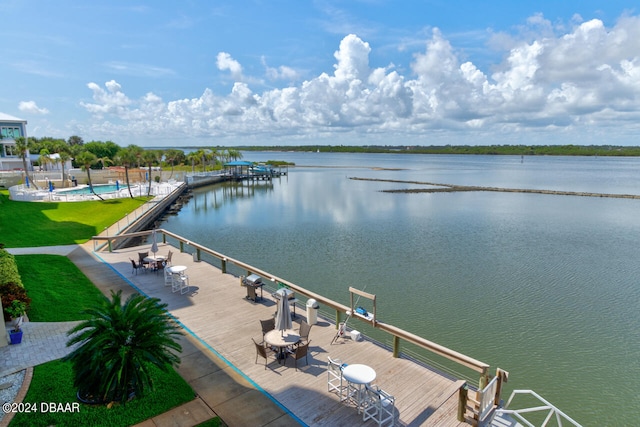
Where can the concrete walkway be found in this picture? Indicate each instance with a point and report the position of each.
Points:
(220, 389)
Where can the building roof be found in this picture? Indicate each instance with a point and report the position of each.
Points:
(239, 163)
(8, 118)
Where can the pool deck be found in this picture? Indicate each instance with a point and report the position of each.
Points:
(216, 312)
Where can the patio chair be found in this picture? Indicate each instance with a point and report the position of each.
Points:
(168, 260)
(168, 278)
(305, 328)
(267, 325)
(299, 352)
(141, 257)
(379, 406)
(263, 351)
(135, 267)
(180, 283)
(335, 383)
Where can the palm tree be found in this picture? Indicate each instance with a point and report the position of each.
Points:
(171, 156)
(88, 159)
(118, 345)
(149, 157)
(23, 149)
(234, 153)
(127, 157)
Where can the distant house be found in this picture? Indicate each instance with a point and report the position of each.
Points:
(10, 129)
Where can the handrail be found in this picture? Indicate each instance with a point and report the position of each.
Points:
(553, 412)
(396, 332)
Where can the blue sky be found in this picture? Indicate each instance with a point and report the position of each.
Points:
(166, 73)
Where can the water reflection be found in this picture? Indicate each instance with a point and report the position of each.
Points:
(543, 286)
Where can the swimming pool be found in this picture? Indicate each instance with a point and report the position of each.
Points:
(99, 189)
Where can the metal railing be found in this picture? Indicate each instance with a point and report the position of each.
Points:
(340, 309)
(546, 410)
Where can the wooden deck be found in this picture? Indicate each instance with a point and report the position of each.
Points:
(217, 312)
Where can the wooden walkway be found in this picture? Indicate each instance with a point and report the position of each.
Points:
(216, 311)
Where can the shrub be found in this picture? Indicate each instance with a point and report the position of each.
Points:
(10, 292)
(8, 269)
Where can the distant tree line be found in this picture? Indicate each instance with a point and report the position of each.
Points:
(517, 150)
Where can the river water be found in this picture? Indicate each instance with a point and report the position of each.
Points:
(543, 286)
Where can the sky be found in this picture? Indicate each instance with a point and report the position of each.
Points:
(161, 73)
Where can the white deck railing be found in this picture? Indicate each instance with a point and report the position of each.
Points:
(546, 410)
(487, 398)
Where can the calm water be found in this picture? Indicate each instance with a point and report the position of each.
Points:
(545, 287)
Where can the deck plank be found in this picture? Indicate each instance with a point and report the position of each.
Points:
(217, 312)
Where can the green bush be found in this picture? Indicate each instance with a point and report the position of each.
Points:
(8, 269)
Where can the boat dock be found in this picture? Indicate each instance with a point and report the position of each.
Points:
(217, 312)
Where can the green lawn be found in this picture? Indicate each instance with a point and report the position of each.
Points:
(59, 291)
(53, 382)
(25, 224)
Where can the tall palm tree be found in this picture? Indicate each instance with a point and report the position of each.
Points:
(118, 344)
(171, 155)
(88, 159)
(234, 153)
(23, 149)
(128, 157)
(149, 157)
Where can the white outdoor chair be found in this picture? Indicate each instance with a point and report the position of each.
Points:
(168, 278)
(379, 406)
(180, 283)
(335, 383)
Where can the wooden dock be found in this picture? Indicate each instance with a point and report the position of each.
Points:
(216, 311)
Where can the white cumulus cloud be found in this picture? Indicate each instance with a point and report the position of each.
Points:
(30, 107)
(580, 79)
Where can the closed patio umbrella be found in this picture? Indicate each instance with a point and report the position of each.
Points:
(154, 243)
(283, 315)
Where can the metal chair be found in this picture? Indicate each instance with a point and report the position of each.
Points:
(141, 257)
(135, 267)
(335, 382)
(180, 283)
(379, 406)
(267, 325)
(261, 351)
(168, 278)
(305, 328)
(299, 352)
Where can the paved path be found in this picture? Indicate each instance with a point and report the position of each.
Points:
(220, 389)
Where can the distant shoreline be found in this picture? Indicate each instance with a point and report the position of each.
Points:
(498, 150)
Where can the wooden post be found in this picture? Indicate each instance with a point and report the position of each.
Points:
(109, 241)
(503, 377)
(181, 246)
(337, 318)
(462, 402)
(396, 346)
(198, 255)
(223, 265)
(484, 379)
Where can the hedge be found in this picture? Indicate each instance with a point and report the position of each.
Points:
(8, 269)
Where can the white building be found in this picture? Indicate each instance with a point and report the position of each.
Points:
(11, 128)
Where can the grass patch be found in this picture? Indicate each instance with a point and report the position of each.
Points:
(59, 291)
(26, 224)
(53, 382)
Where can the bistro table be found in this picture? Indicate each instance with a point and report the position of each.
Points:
(282, 340)
(177, 269)
(155, 260)
(359, 375)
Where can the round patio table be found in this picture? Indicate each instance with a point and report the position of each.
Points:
(282, 340)
(359, 375)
